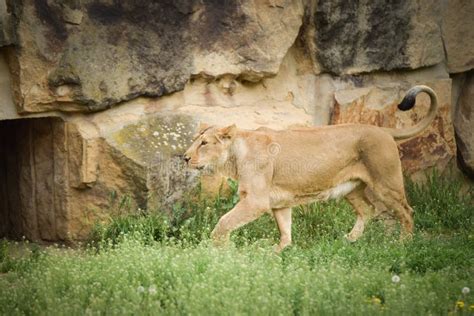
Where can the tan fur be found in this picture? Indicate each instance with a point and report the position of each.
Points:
(277, 170)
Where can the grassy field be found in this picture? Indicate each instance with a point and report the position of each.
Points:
(150, 264)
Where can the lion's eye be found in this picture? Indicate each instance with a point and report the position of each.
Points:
(203, 143)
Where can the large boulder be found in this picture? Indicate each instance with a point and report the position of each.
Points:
(90, 55)
(464, 125)
(348, 37)
(6, 26)
(458, 35)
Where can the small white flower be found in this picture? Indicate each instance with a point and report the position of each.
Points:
(152, 290)
(155, 133)
(395, 279)
(465, 290)
(140, 289)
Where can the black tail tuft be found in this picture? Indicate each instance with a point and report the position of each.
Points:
(408, 101)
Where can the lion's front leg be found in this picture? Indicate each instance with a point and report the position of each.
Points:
(244, 212)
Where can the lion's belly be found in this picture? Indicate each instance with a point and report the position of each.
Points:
(280, 198)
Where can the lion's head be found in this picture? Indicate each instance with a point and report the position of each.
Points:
(210, 147)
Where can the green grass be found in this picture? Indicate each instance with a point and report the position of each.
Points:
(153, 264)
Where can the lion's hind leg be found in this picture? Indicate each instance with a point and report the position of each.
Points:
(395, 201)
(364, 210)
(403, 211)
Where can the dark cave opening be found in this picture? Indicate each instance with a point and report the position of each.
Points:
(29, 177)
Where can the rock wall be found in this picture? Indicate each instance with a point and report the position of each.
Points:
(90, 55)
(123, 85)
(363, 36)
(464, 123)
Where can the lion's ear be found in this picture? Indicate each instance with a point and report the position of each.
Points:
(228, 132)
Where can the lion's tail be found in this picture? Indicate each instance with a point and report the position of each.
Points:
(408, 102)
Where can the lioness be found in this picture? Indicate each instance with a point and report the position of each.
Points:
(280, 169)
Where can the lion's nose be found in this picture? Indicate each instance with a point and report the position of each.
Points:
(186, 158)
